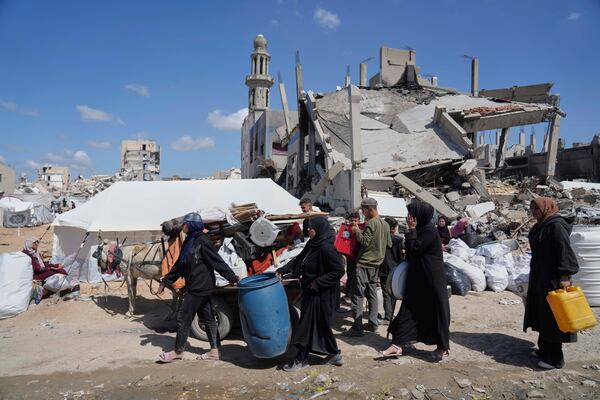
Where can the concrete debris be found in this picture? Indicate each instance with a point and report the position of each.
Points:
(467, 168)
(462, 383)
(479, 210)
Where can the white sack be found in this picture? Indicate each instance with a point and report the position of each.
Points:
(497, 277)
(16, 277)
(476, 276)
(492, 250)
(460, 249)
(478, 261)
(60, 282)
(231, 258)
(520, 273)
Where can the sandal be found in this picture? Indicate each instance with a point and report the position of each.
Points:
(441, 354)
(396, 353)
(169, 357)
(208, 357)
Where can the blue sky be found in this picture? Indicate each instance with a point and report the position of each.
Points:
(76, 77)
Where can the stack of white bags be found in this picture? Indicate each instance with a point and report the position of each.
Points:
(490, 265)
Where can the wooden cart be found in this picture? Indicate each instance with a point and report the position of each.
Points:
(225, 307)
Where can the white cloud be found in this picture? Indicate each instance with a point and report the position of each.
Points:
(274, 22)
(188, 143)
(8, 105)
(92, 114)
(227, 122)
(96, 144)
(32, 164)
(326, 19)
(14, 107)
(139, 89)
(574, 16)
(73, 159)
(2, 159)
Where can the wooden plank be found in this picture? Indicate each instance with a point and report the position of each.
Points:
(425, 196)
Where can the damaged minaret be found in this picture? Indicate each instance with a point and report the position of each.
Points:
(259, 81)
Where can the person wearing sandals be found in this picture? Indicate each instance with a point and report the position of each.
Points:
(425, 312)
(552, 264)
(319, 267)
(197, 264)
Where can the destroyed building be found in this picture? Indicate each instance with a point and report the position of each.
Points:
(140, 160)
(264, 129)
(55, 177)
(7, 179)
(397, 129)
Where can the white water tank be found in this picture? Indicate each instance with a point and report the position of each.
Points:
(585, 241)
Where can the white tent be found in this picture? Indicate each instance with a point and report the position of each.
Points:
(16, 211)
(135, 210)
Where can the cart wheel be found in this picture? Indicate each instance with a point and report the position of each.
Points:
(223, 315)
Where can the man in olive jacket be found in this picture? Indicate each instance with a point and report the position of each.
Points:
(374, 241)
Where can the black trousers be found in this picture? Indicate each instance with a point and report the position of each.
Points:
(389, 302)
(551, 352)
(196, 305)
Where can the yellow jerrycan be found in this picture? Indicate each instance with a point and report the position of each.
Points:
(571, 309)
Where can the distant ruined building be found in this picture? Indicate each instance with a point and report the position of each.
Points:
(140, 160)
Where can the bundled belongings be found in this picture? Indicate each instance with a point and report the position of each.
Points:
(459, 282)
(16, 276)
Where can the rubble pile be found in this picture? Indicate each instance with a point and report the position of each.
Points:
(494, 250)
(93, 185)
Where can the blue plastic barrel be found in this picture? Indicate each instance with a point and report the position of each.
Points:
(264, 315)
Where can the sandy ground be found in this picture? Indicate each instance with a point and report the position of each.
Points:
(89, 349)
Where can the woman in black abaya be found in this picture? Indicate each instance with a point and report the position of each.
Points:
(319, 267)
(425, 312)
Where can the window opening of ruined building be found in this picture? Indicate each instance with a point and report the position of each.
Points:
(267, 102)
(143, 147)
(145, 167)
(261, 66)
(0, 177)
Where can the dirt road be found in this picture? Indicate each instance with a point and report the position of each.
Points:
(88, 349)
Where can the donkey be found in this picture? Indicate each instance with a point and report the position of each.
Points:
(140, 261)
(134, 261)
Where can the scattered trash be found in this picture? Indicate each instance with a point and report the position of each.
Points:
(509, 302)
(47, 324)
(594, 367)
(314, 396)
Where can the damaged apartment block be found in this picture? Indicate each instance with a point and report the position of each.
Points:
(392, 136)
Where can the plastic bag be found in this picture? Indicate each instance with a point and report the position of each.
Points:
(478, 261)
(476, 276)
(473, 240)
(496, 277)
(460, 249)
(16, 277)
(492, 250)
(458, 281)
(60, 282)
(519, 275)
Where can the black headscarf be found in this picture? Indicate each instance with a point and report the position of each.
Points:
(423, 212)
(324, 232)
